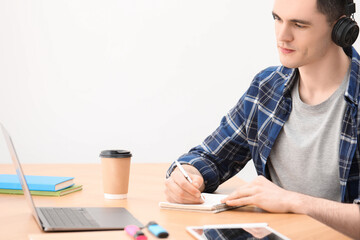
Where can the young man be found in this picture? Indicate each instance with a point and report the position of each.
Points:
(300, 123)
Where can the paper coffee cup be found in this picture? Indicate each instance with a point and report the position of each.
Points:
(115, 171)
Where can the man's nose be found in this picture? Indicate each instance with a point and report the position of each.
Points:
(284, 32)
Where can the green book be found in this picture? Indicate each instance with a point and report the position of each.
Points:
(59, 193)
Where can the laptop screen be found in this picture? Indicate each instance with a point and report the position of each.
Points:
(20, 173)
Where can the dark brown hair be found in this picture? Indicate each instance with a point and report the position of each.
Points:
(332, 9)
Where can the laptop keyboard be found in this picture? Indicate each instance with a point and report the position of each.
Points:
(68, 217)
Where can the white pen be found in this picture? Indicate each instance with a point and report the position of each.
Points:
(182, 170)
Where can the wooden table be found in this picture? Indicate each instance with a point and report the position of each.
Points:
(145, 191)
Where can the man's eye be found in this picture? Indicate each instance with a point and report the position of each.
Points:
(275, 17)
(299, 25)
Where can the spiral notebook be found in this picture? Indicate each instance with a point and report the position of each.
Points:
(212, 204)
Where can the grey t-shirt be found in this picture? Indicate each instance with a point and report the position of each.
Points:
(305, 156)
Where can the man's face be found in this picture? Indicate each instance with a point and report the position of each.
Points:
(303, 34)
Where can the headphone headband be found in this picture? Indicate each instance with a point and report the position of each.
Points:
(350, 8)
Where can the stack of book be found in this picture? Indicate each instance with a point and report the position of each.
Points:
(38, 185)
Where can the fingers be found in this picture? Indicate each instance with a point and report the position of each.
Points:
(243, 195)
(197, 181)
(179, 190)
(196, 176)
(247, 193)
(241, 201)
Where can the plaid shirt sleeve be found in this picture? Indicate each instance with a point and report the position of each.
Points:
(224, 153)
(227, 150)
(242, 132)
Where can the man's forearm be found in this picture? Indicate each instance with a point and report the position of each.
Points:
(266, 195)
(344, 217)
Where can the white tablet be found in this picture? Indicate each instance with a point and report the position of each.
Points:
(235, 232)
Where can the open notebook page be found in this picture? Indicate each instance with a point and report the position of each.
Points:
(212, 204)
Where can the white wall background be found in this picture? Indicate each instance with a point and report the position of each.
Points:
(151, 76)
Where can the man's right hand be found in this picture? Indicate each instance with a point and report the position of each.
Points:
(179, 190)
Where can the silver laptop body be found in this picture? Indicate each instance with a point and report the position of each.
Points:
(54, 219)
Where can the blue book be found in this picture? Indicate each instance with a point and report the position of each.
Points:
(36, 183)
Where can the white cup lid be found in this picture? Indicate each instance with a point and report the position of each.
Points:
(115, 196)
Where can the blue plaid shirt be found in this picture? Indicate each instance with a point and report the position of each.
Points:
(250, 129)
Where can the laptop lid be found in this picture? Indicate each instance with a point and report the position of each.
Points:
(106, 218)
(20, 174)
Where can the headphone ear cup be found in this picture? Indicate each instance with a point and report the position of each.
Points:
(345, 32)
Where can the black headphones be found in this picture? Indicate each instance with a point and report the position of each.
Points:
(346, 30)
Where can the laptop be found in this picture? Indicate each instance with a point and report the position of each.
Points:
(57, 219)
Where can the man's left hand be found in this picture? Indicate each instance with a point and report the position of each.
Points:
(262, 193)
